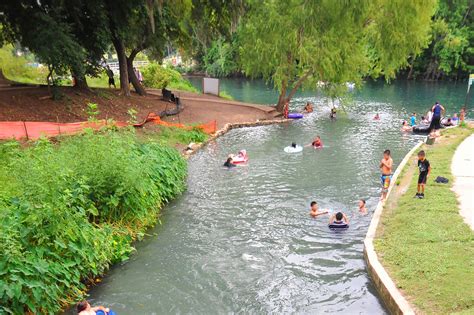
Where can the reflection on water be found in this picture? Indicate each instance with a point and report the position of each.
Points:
(242, 240)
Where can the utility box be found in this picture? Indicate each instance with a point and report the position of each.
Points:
(210, 86)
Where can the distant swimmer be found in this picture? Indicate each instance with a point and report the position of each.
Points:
(315, 212)
(317, 143)
(377, 116)
(308, 108)
(406, 127)
(362, 208)
(229, 163)
(338, 220)
(332, 115)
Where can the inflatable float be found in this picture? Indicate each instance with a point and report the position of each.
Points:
(101, 312)
(240, 158)
(291, 149)
(338, 227)
(421, 129)
(295, 116)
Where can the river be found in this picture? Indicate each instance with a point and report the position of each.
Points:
(242, 240)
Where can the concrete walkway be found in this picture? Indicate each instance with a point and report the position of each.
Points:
(462, 168)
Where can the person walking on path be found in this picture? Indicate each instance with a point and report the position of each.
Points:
(110, 74)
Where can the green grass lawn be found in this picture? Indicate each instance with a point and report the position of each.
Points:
(424, 244)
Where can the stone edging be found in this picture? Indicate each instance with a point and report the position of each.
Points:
(191, 150)
(385, 286)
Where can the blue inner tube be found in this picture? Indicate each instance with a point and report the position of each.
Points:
(100, 312)
(338, 226)
(295, 115)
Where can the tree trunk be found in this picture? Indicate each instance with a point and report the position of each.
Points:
(131, 74)
(80, 81)
(122, 60)
(282, 99)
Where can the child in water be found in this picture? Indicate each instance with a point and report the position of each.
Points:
(315, 210)
(338, 219)
(229, 163)
(84, 308)
(377, 116)
(317, 143)
(425, 169)
(362, 208)
(405, 126)
(308, 108)
(386, 165)
(413, 120)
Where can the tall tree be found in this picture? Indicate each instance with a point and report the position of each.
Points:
(450, 53)
(296, 43)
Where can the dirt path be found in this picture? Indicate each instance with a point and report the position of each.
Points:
(35, 104)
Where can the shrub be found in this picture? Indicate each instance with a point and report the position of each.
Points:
(67, 211)
(159, 77)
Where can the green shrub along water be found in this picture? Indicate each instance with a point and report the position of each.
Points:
(69, 210)
(159, 77)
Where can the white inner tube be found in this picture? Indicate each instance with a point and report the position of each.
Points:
(290, 149)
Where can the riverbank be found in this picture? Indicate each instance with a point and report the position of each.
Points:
(424, 244)
(33, 103)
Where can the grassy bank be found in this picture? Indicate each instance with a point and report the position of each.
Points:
(70, 209)
(424, 244)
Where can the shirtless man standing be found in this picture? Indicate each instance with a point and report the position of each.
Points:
(386, 167)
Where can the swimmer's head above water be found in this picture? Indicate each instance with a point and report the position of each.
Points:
(293, 144)
(339, 216)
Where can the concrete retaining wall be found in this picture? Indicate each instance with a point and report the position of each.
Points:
(385, 286)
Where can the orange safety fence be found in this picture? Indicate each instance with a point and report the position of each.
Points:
(209, 128)
(32, 130)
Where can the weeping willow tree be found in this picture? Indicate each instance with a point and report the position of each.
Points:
(296, 43)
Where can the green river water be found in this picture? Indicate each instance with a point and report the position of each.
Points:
(242, 240)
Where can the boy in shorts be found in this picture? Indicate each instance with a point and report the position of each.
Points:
(386, 165)
(425, 169)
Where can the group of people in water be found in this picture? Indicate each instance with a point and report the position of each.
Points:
(433, 120)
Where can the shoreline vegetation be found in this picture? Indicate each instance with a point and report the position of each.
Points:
(73, 207)
(425, 245)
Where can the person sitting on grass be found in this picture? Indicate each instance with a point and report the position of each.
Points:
(314, 212)
(84, 308)
(308, 108)
(425, 169)
(362, 208)
(405, 127)
(338, 219)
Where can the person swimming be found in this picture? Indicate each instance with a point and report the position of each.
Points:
(229, 162)
(338, 220)
(362, 208)
(308, 108)
(84, 308)
(332, 115)
(317, 143)
(377, 116)
(314, 211)
(405, 126)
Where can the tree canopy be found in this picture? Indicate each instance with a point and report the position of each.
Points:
(297, 43)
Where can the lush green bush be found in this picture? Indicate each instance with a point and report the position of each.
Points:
(67, 211)
(221, 59)
(159, 77)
